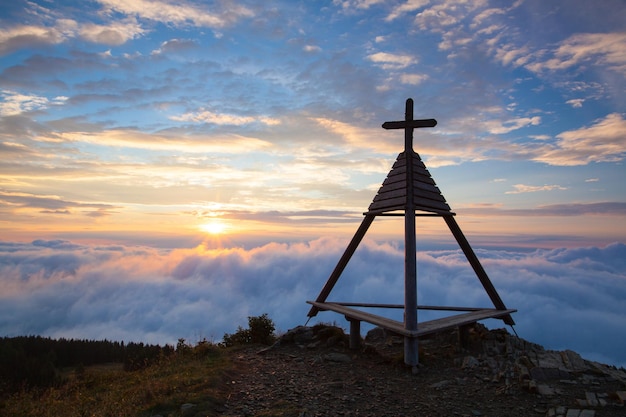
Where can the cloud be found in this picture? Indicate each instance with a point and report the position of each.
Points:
(63, 289)
(523, 188)
(413, 79)
(114, 34)
(389, 61)
(604, 141)
(16, 201)
(14, 103)
(606, 49)
(604, 208)
(24, 36)
(175, 46)
(128, 138)
(498, 127)
(407, 7)
(180, 13)
(311, 48)
(349, 5)
(205, 116)
(576, 103)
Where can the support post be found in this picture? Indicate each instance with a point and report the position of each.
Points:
(410, 255)
(464, 336)
(355, 333)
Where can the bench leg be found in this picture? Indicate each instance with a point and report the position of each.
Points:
(355, 333)
(464, 336)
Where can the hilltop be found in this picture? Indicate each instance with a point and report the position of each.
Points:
(309, 371)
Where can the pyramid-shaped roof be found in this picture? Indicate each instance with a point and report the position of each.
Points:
(392, 195)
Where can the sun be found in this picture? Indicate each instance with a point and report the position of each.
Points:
(214, 227)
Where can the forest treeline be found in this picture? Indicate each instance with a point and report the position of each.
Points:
(35, 361)
(28, 362)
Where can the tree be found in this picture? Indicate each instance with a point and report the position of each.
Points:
(260, 330)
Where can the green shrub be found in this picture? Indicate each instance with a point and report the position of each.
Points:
(260, 330)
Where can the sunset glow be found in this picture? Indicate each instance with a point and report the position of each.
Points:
(214, 227)
(156, 153)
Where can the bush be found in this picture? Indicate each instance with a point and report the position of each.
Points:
(260, 330)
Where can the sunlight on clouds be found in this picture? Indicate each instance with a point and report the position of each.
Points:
(157, 142)
(356, 136)
(413, 79)
(498, 127)
(389, 61)
(180, 13)
(522, 188)
(576, 103)
(356, 4)
(600, 48)
(16, 37)
(223, 119)
(14, 103)
(113, 34)
(407, 7)
(61, 288)
(602, 142)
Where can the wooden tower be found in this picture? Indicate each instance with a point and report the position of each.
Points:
(410, 191)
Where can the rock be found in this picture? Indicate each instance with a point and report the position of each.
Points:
(469, 362)
(186, 409)
(337, 357)
(300, 335)
(376, 335)
(591, 398)
(440, 384)
(545, 390)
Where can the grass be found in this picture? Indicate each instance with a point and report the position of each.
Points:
(109, 391)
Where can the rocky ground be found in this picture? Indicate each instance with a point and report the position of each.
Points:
(311, 372)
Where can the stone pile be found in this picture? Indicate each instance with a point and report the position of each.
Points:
(548, 374)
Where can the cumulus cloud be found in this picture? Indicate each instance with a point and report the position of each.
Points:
(407, 7)
(63, 289)
(607, 49)
(14, 103)
(25, 36)
(388, 61)
(20, 36)
(413, 79)
(180, 13)
(604, 141)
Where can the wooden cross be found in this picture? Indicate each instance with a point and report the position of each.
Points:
(410, 256)
(408, 124)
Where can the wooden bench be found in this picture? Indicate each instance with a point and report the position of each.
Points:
(355, 316)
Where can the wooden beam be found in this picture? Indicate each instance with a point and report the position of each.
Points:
(423, 328)
(478, 268)
(343, 262)
(419, 307)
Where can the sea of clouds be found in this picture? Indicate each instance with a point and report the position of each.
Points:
(566, 298)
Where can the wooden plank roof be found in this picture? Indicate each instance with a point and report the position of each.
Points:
(392, 195)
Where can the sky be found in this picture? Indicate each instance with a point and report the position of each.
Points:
(169, 168)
